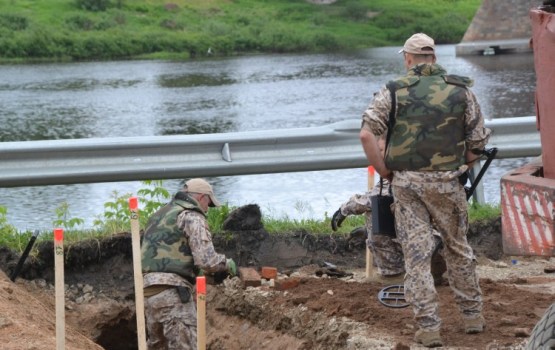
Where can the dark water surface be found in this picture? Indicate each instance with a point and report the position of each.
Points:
(134, 98)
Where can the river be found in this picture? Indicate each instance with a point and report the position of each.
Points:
(144, 98)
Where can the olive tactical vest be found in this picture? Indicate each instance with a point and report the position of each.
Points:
(428, 134)
(165, 248)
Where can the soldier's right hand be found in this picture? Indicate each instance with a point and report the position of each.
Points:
(337, 219)
(231, 267)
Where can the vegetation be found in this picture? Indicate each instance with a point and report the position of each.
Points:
(181, 29)
(116, 219)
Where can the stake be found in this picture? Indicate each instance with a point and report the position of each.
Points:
(60, 292)
(137, 272)
(201, 313)
(369, 257)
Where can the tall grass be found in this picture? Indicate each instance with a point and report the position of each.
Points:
(181, 29)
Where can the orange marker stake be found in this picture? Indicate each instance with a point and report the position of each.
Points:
(369, 257)
(371, 175)
(60, 285)
(201, 313)
(137, 272)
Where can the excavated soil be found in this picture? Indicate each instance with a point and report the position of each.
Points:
(333, 306)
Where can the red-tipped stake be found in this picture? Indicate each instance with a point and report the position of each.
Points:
(60, 292)
(201, 313)
(369, 257)
(137, 272)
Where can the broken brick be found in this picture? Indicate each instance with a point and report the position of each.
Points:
(268, 272)
(287, 283)
(249, 277)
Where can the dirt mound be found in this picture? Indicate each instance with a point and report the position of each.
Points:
(27, 323)
(323, 312)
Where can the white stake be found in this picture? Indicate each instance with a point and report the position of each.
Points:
(369, 257)
(201, 313)
(138, 274)
(60, 288)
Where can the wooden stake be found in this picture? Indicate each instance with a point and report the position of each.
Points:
(369, 257)
(60, 288)
(138, 274)
(201, 313)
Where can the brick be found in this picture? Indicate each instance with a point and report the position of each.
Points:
(268, 272)
(287, 283)
(249, 277)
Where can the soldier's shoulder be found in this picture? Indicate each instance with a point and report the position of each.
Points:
(403, 82)
(458, 80)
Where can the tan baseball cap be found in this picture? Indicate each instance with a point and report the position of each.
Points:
(419, 44)
(202, 186)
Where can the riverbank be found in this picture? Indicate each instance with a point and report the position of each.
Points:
(62, 30)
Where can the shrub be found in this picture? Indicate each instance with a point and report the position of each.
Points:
(93, 5)
(13, 22)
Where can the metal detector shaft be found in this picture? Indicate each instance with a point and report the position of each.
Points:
(24, 255)
(490, 153)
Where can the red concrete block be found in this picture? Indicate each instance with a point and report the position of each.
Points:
(287, 283)
(268, 272)
(249, 277)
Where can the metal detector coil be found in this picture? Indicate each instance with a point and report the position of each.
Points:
(393, 296)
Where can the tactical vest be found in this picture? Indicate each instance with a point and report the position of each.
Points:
(428, 134)
(165, 248)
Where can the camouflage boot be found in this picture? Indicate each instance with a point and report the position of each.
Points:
(428, 339)
(474, 325)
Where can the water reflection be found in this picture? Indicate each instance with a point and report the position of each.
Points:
(191, 127)
(194, 80)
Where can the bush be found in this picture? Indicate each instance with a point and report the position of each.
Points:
(13, 22)
(93, 5)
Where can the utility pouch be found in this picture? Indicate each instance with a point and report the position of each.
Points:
(184, 294)
(383, 220)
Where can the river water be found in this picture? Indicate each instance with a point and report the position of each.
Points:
(145, 98)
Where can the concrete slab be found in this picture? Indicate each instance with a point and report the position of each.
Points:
(493, 47)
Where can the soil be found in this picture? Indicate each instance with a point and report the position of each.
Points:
(332, 307)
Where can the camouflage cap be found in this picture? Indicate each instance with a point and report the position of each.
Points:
(202, 186)
(419, 44)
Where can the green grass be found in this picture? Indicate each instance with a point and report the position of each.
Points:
(180, 29)
(116, 219)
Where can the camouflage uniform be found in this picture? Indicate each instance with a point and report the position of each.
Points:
(176, 244)
(434, 194)
(387, 252)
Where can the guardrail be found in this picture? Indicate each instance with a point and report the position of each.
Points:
(333, 146)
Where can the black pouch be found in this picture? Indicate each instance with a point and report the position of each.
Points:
(383, 220)
(184, 294)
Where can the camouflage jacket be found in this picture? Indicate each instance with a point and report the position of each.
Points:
(375, 119)
(428, 131)
(165, 248)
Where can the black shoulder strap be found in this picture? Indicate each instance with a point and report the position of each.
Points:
(391, 121)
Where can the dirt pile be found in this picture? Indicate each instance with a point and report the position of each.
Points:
(323, 312)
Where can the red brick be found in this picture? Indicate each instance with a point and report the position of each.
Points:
(287, 283)
(268, 272)
(249, 277)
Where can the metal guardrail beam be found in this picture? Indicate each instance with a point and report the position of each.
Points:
(333, 146)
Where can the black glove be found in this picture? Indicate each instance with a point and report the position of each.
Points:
(337, 219)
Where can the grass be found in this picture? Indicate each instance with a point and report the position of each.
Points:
(116, 219)
(61, 30)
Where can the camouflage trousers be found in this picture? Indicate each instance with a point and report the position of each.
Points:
(170, 323)
(417, 206)
(387, 253)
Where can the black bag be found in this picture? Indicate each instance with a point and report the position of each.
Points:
(383, 220)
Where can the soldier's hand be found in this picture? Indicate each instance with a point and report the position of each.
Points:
(337, 219)
(231, 267)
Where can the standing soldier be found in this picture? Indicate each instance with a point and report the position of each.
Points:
(435, 128)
